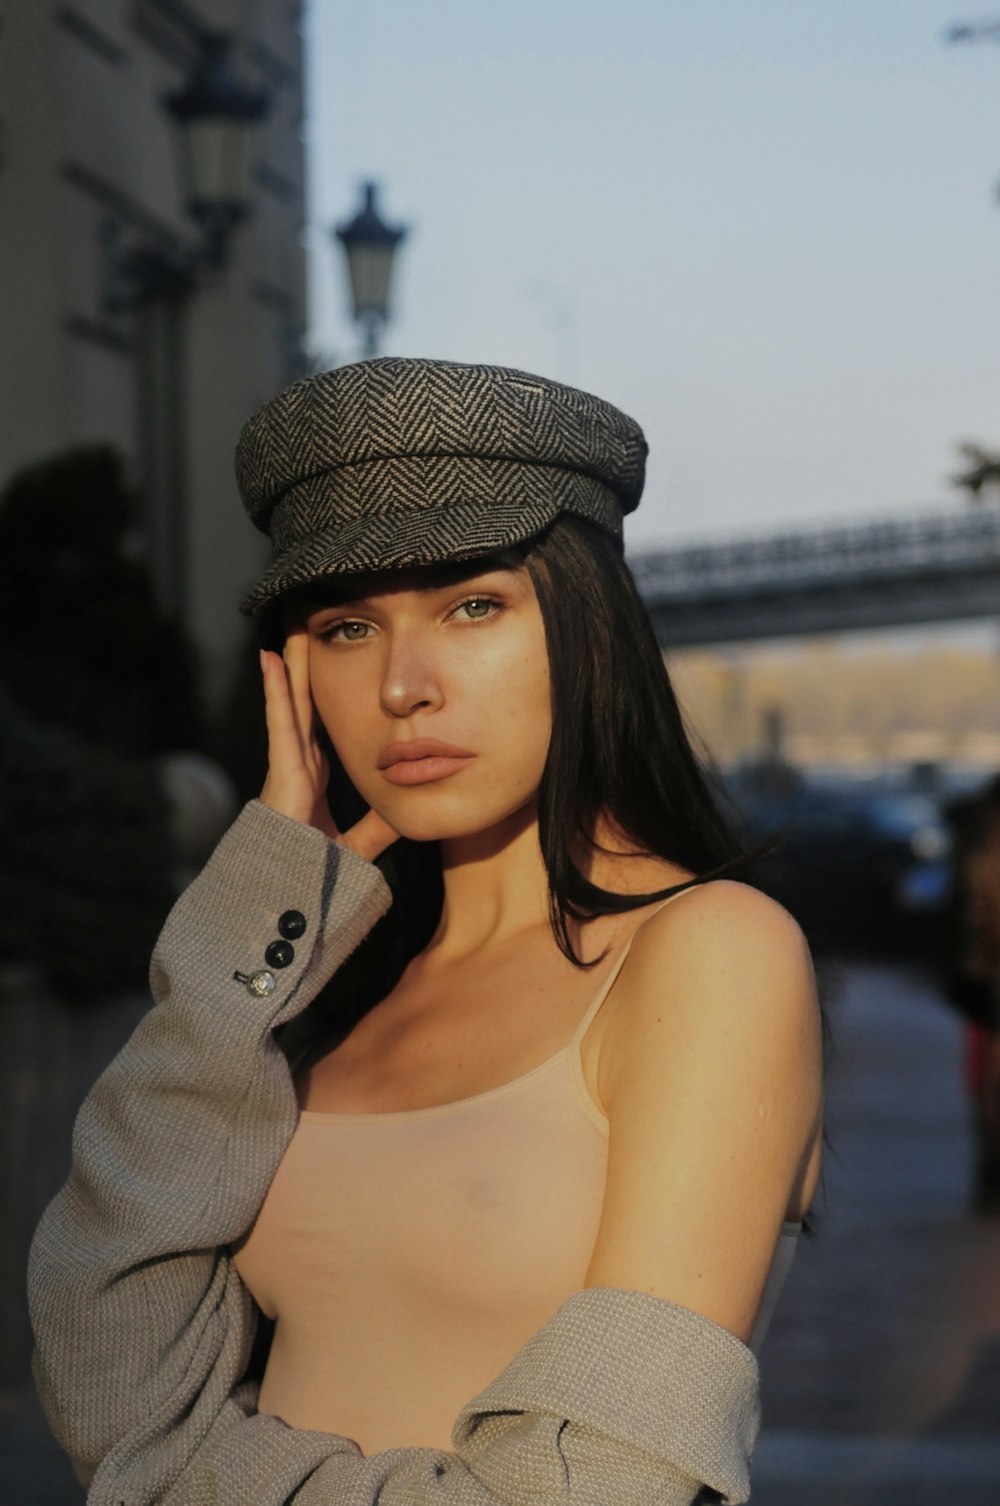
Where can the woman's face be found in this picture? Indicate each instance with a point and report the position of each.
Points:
(436, 696)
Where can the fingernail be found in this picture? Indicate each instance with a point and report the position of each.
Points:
(260, 656)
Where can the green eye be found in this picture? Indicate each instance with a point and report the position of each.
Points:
(478, 607)
(348, 631)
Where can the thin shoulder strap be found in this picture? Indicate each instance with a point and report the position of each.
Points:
(609, 981)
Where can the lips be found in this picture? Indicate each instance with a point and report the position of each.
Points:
(422, 760)
(417, 749)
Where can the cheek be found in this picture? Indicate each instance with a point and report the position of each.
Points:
(342, 705)
(534, 706)
(512, 691)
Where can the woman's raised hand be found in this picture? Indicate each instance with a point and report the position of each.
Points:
(297, 767)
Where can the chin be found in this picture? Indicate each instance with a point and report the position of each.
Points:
(445, 820)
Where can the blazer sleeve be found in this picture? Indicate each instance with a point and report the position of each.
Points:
(143, 1328)
(620, 1399)
(141, 1324)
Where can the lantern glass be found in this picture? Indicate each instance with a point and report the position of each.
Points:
(217, 160)
(370, 270)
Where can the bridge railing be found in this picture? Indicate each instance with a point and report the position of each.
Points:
(938, 541)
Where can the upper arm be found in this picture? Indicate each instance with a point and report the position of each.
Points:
(713, 1093)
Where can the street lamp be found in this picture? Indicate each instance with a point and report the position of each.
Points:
(217, 113)
(370, 245)
(150, 272)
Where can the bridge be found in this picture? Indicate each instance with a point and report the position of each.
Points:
(896, 572)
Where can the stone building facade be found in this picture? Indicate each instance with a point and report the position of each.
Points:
(88, 159)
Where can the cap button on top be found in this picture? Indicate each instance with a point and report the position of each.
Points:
(292, 924)
(279, 954)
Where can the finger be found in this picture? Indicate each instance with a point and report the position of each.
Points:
(297, 663)
(284, 749)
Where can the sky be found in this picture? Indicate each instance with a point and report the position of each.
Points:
(768, 231)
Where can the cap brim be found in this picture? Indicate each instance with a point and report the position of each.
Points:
(464, 529)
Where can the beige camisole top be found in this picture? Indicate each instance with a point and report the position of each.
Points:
(408, 1256)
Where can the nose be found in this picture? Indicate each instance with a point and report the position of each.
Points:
(409, 681)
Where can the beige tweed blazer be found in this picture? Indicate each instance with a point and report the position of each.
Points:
(143, 1328)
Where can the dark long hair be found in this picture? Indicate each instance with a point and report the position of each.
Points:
(619, 742)
(619, 748)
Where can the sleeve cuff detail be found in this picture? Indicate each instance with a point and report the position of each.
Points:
(642, 1370)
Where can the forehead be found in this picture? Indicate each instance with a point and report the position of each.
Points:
(339, 590)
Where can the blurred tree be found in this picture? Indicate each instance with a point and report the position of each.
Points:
(982, 474)
(973, 31)
(86, 644)
(96, 682)
(87, 836)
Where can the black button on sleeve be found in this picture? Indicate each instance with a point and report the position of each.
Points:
(279, 954)
(292, 925)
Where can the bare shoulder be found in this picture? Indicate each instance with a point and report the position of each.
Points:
(721, 913)
(722, 963)
(711, 1076)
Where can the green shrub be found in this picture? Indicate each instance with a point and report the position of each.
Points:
(85, 643)
(85, 884)
(96, 680)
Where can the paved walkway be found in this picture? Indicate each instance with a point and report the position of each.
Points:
(881, 1371)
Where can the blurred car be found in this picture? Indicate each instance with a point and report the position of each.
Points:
(856, 862)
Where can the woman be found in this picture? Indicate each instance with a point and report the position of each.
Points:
(448, 1201)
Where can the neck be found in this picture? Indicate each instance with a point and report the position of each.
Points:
(496, 886)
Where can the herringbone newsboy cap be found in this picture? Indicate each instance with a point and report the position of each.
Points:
(396, 462)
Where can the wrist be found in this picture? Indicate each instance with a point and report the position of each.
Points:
(366, 848)
(303, 808)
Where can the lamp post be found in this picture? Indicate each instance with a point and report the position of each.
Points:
(216, 112)
(150, 273)
(370, 245)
